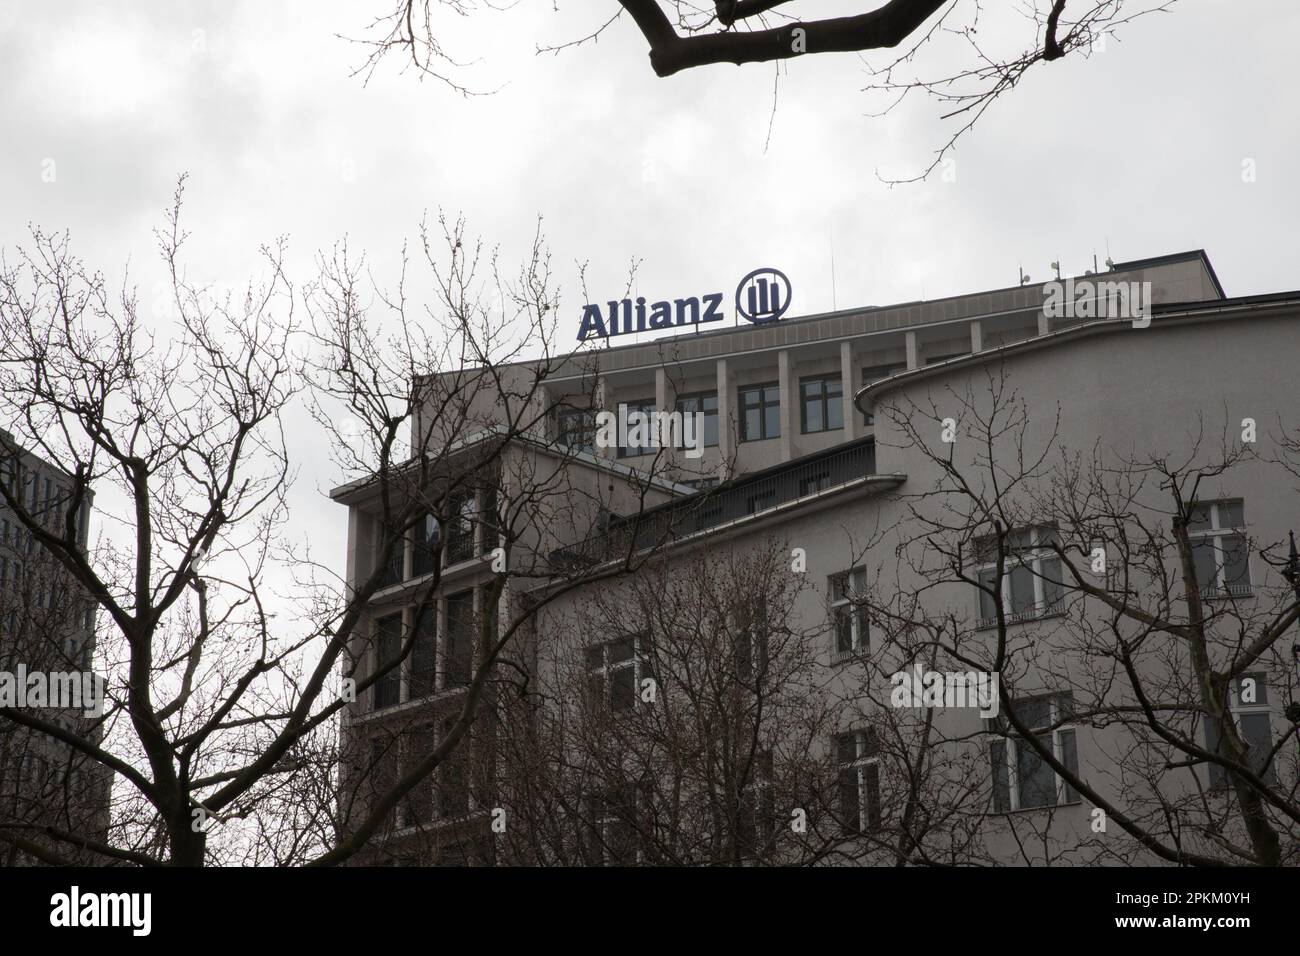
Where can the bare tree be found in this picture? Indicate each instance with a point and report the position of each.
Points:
(224, 701)
(995, 48)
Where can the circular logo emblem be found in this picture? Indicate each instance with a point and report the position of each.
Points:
(763, 296)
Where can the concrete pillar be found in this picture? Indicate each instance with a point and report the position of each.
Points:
(852, 424)
(913, 356)
(976, 336)
(604, 399)
(788, 399)
(728, 432)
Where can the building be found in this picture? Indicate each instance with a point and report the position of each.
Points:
(47, 640)
(896, 493)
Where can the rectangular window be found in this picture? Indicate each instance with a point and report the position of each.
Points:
(875, 373)
(858, 781)
(424, 654)
(461, 520)
(460, 638)
(811, 484)
(760, 411)
(417, 805)
(453, 783)
(1217, 530)
(611, 837)
(1022, 780)
(388, 645)
(425, 556)
(646, 429)
(381, 773)
(706, 404)
(849, 613)
(1031, 576)
(575, 428)
(394, 569)
(1248, 703)
(821, 404)
(760, 501)
(615, 670)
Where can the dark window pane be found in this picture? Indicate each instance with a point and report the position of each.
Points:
(424, 654)
(1257, 731)
(1022, 591)
(1037, 780)
(871, 784)
(1050, 569)
(622, 688)
(1204, 562)
(849, 803)
(1235, 567)
(1231, 514)
(1001, 784)
(426, 545)
(460, 637)
(387, 649)
(1069, 757)
(988, 603)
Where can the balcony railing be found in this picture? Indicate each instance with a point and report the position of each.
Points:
(734, 500)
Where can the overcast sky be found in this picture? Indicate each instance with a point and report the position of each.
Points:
(1137, 151)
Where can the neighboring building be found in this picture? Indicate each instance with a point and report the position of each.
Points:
(808, 450)
(47, 628)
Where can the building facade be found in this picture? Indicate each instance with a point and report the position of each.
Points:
(987, 579)
(47, 646)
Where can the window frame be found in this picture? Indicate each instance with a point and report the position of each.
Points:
(865, 767)
(844, 583)
(824, 397)
(1032, 558)
(639, 662)
(622, 411)
(1260, 707)
(700, 398)
(1063, 728)
(761, 389)
(1215, 534)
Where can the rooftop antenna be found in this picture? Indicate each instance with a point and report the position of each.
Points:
(1110, 263)
(1023, 278)
(1057, 266)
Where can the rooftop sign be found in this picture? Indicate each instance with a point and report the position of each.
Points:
(762, 296)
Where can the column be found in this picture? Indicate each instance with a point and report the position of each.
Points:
(788, 398)
(913, 359)
(852, 424)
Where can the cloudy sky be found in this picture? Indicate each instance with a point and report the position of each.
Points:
(1136, 151)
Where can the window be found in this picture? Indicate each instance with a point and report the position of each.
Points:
(381, 774)
(706, 404)
(1248, 704)
(461, 517)
(760, 412)
(460, 638)
(821, 404)
(388, 645)
(615, 670)
(858, 781)
(1021, 779)
(417, 805)
(395, 568)
(1031, 576)
(489, 519)
(874, 374)
(611, 834)
(1219, 550)
(452, 785)
(575, 428)
(424, 654)
(760, 501)
(427, 534)
(848, 591)
(646, 429)
(814, 483)
(700, 484)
